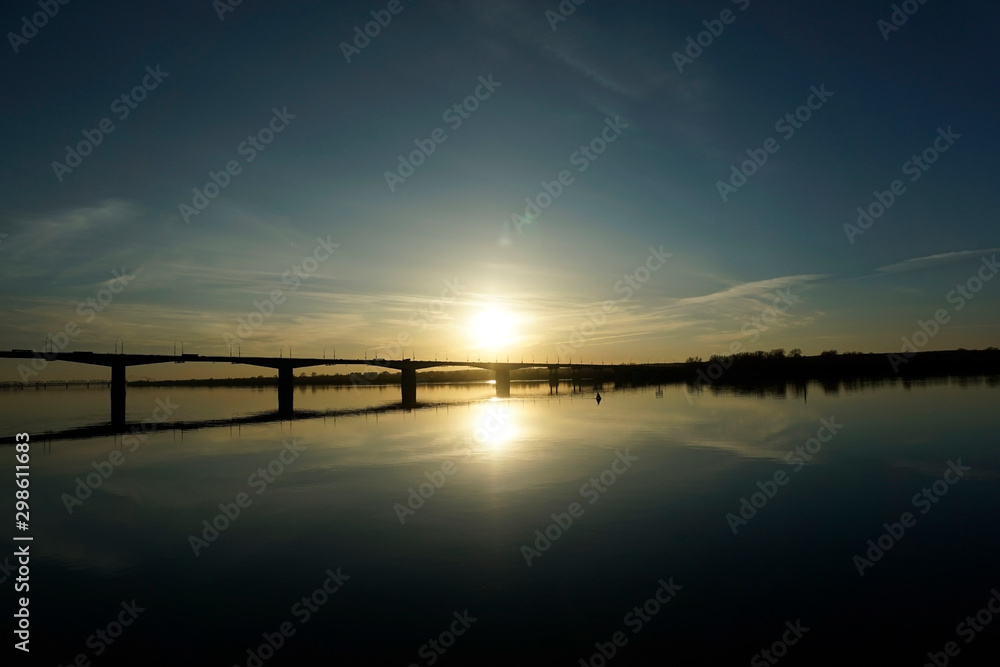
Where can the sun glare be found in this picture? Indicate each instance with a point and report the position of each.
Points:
(493, 427)
(493, 329)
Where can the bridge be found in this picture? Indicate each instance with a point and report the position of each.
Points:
(286, 366)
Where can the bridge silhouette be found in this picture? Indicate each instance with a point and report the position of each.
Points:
(286, 366)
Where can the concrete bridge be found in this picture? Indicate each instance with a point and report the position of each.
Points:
(286, 370)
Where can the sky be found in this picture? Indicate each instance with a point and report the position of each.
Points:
(526, 180)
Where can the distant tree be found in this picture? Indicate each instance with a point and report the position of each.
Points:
(828, 353)
(795, 353)
(693, 360)
(776, 353)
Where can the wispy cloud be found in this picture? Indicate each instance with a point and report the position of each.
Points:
(624, 70)
(918, 263)
(595, 74)
(755, 291)
(76, 248)
(713, 317)
(34, 236)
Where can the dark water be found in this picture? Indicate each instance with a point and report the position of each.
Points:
(646, 481)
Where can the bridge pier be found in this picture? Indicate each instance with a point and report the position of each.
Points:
(409, 385)
(118, 394)
(285, 390)
(554, 380)
(503, 382)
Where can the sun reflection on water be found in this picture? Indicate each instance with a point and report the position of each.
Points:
(493, 426)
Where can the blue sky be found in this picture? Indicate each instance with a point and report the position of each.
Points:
(522, 287)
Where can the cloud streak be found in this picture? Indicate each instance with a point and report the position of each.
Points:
(930, 261)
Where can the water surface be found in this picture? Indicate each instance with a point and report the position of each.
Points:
(653, 474)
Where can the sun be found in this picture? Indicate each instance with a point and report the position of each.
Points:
(493, 329)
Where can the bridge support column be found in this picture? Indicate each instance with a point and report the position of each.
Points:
(118, 394)
(409, 386)
(503, 382)
(554, 380)
(285, 390)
